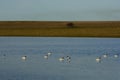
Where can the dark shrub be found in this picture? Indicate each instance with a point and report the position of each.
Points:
(70, 25)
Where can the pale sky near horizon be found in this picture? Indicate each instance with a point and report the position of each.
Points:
(60, 10)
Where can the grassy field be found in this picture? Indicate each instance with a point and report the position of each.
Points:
(60, 29)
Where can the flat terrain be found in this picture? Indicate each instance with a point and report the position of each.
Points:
(60, 28)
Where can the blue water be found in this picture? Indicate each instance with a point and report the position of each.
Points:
(82, 66)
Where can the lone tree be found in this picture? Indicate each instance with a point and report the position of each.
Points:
(70, 25)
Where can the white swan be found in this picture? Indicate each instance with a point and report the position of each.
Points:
(24, 57)
(105, 55)
(49, 53)
(98, 59)
(61, 59)
(46, 56)
(116, 55)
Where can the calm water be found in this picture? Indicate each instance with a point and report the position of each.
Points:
(81, 66)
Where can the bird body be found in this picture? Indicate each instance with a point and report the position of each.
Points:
(49, 53)
(116, 56)
(24, 57)
(46, 56)
(105, 55)
(61, 59)
(98, 59)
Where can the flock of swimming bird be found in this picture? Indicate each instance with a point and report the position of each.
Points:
(98, 59)
(68, 58)
(61, 59)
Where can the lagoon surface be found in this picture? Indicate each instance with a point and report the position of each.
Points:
(81, 66)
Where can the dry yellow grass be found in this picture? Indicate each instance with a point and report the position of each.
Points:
(59, 29)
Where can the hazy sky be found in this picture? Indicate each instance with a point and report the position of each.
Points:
(60, 10)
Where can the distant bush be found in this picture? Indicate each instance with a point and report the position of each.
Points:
(70, 25)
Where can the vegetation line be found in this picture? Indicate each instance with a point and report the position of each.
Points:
(61, 29)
